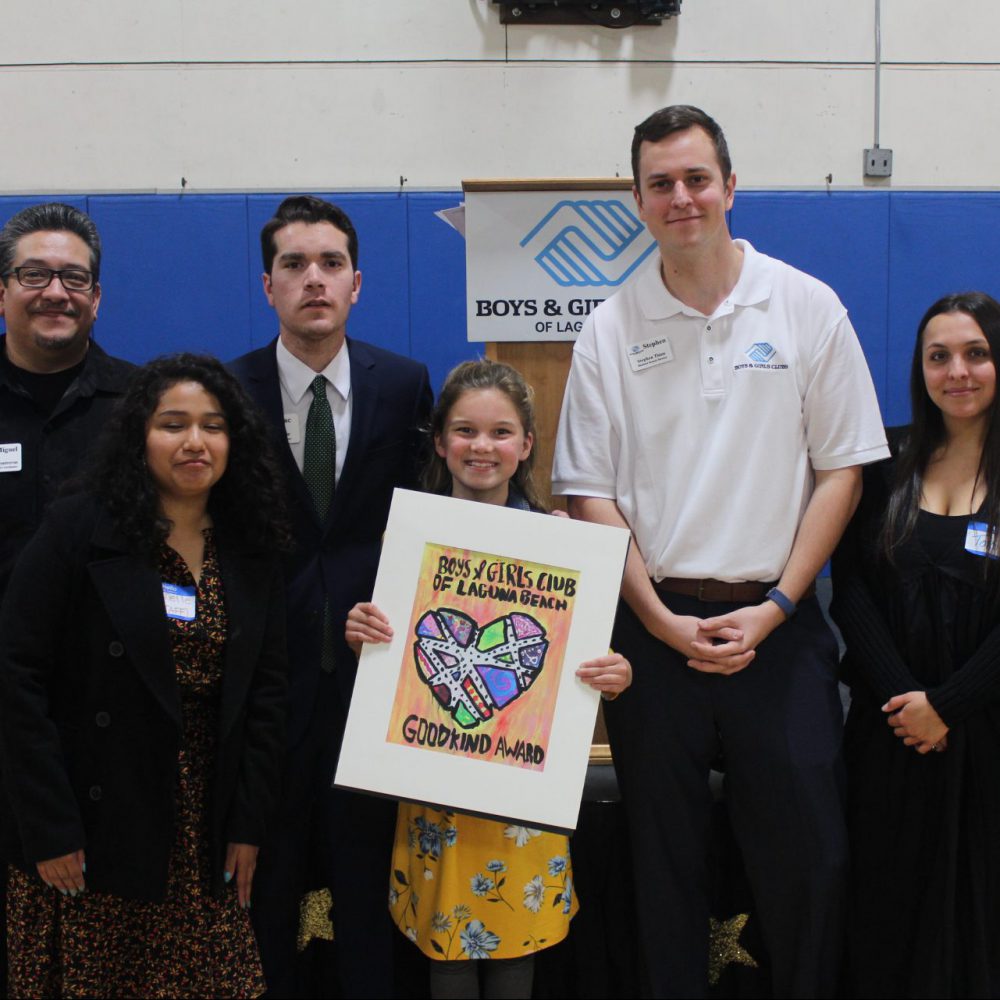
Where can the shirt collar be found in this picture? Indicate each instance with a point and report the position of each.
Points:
(753, 286)
(6, 367)
(94, 374)
(297, 377)
(515, 498)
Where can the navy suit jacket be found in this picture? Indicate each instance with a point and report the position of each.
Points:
(335, 560)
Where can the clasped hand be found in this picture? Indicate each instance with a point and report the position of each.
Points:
(726, 643)
(914, 720)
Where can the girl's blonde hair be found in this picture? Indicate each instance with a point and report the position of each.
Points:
(468, 377)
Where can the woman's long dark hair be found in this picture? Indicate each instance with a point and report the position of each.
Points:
(470, 376)
(248, 501)
(927, 431)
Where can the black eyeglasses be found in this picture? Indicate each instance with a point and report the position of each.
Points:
(74, 279)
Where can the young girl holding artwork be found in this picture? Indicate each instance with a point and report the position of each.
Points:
(463, 887)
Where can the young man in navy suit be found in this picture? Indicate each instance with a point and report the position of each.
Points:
(348, 419)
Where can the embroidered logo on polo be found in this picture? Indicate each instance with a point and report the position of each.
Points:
(476, 671)
(761, 355)
(761, 352)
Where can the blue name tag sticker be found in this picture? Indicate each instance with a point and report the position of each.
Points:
(180, 602)
(977, 540)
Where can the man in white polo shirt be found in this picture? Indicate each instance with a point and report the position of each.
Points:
(720, 407)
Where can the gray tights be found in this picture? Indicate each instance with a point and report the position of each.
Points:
(501, 978)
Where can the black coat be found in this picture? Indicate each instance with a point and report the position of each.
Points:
(90, 712)
(54, 446)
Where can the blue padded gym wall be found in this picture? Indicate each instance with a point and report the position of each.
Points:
(183, 271)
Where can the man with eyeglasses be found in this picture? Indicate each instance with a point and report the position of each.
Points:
(57, 387)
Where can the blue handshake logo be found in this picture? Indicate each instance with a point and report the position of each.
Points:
(589, 242)
(761, 352)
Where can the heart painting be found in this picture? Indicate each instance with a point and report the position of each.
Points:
(476, 671)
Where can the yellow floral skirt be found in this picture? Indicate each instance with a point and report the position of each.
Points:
(465, 887)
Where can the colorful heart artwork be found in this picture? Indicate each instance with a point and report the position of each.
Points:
(475, 672)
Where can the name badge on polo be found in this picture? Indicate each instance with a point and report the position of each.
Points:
(292, 428)
(977, 537)
(649, 353)
(10, 458)
(180, 602)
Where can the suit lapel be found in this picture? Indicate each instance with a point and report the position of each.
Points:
(131, 593)
(364, 405)
(266, 390)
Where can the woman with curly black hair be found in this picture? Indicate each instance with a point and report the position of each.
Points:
(142, 702)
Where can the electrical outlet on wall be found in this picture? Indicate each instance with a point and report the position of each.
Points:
(878, 162)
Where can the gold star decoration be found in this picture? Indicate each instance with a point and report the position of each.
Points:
(314, 917)
(724, 946)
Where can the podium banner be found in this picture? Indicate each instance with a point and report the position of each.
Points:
(541, 257)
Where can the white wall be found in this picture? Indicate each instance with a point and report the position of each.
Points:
(124, 95)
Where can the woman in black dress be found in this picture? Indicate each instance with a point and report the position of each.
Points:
(142, 689)
(917, 598)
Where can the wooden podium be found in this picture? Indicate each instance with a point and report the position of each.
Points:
(544, 363)
(545, 366)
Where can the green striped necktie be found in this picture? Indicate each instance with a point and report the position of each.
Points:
(319, 458)
(319, 465)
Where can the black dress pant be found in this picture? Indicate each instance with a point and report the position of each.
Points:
(778, 724)
(326, 837)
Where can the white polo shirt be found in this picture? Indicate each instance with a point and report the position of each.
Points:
(706, 429)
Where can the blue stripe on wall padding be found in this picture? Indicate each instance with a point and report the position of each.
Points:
(842, 239)
(939, 244)
(173, 274)
(437, 287)
(183, 271)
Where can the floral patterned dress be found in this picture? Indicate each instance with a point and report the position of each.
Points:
(191, 944)
(463, 887)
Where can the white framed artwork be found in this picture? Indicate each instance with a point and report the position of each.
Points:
(474, 704)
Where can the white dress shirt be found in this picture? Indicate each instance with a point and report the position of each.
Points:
(296, 379)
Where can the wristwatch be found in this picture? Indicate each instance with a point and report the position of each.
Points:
(783, 601)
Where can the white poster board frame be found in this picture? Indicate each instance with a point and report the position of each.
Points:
(547, 798)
